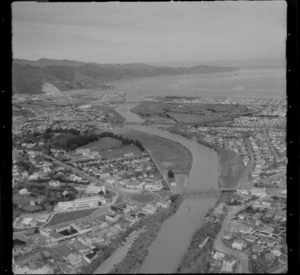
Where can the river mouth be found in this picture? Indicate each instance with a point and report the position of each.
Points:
(173, 239)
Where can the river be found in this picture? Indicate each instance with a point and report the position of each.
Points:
(174, 237)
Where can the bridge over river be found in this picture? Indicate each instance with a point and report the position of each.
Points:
(217, 191)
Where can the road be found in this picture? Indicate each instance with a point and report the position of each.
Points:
(75, 170)
(117, 256)
(157, 165)
(220, 246)
(282, 269)
(264, 130)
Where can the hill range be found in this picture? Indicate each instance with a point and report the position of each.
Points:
(33, 77)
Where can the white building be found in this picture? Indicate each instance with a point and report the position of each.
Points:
(149, 209)
(259, 192)
(23, 191)
(89, 202)
(238, 244)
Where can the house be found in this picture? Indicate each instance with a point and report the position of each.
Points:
(54, 183)
(228, 235)
(74, 259)
(257, 248)
(241, 216)
(112, 219)
(42, 217)
(81, 228)
(227, 266)
(83, 152)
(23, 191)
(258, 192)
(265, 230)
(149, 209)
(238, 244)
(276, 252)
(218, 255)
(250, 239)
(173, 184)
(89, 257)
(79, 246)
(34, 176)
(245, 229)
(118, 226)
(242, 191)
(163, 204)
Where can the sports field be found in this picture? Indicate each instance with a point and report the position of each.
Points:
(143, 198)
(103, 144)
(70, 216)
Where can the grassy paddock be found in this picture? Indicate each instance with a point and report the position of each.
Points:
(69, 216)
(21, 200)
(121, 151)
(170, 153)
(103, 144)
(143, 198)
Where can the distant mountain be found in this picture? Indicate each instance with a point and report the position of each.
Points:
(243, 63)
(43, 62)
(31, 76)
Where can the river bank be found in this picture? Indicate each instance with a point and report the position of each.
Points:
(230, 165)
(136, 255)
(195, 259)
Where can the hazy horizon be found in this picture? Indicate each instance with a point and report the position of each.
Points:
(278, 63)
(151, 33)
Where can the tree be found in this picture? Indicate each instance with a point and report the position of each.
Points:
(170, 174)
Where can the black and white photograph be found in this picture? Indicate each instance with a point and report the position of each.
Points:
(149, 137)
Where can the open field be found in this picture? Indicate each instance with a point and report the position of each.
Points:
(180, 181)
(21, 200)
(143, 198)
(231, 168)
(119, 200)
(172, 154)
(69, 216)
(120, 151)
(103, 144)
(188, 113)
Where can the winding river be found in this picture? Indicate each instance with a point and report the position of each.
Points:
(175, 235)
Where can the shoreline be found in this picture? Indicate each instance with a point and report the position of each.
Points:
(134, 259)
(223, 157)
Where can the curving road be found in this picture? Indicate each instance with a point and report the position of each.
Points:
(220, 246)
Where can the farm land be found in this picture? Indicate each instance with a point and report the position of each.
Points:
(187, 113)
(145, 198)
(69, 216)
(169, 154)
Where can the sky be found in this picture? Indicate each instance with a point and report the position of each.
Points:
(115, 32)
